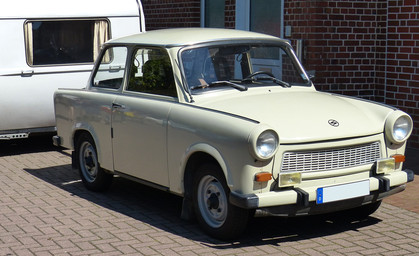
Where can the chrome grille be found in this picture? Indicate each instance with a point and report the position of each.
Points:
(331, 159)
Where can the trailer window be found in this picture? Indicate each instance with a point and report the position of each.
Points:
(64, 41)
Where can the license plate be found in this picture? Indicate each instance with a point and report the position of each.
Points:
(342, 192)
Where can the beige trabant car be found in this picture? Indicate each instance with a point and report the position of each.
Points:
(230, 121)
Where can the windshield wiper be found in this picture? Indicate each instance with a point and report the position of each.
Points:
(252, 77)
(275, 80)
(223, 82)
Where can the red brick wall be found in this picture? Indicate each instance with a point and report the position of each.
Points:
(171, 14)
(181, 13)
(363, 48)
(341, 40)
(402, 64)
(230, 13)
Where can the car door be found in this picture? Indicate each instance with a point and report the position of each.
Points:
(139, 117)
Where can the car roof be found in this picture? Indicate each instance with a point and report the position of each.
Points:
(190, 36)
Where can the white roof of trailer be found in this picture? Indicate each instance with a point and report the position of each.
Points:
(40, 9)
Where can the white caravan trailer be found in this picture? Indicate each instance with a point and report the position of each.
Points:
(47, 44)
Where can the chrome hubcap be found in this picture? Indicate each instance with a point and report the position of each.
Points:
(212, 201)
(88, 161)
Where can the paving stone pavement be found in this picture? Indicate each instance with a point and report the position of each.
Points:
(45, 210)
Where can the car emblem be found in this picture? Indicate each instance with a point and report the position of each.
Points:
(333, 122)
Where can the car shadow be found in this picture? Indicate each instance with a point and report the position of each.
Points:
(162, 210)
(33, 144)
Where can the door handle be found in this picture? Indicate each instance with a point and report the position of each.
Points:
(26, 73)
(118, 106)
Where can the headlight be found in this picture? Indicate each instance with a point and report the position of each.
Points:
(398, 127)
(264, 144)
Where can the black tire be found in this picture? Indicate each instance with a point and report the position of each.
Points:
(92, 175)
(215, 214)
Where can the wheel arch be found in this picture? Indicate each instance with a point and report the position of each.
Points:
(80, 128)
(214, 213)
(85, 159)
(76, 135)
(85, 130)
(197, 155)
(102, 139)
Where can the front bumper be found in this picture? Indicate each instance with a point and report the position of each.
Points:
(298, 201)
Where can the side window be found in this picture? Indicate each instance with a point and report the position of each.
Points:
(54, 42)
(111, 70)
(151, 72)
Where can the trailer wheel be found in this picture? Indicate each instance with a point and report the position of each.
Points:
(92, 175)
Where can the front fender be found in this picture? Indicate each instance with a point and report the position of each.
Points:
(210, 151)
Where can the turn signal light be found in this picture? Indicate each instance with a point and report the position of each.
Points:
(399, 158)
(263, 176)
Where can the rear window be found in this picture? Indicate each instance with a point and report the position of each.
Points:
(54, 42)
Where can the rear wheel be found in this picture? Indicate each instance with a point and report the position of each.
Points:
(92, 175)
(214, 212)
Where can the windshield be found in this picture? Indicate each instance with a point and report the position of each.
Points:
(241, 66)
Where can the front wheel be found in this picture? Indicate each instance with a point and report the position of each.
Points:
(92, 175)
(214, 212)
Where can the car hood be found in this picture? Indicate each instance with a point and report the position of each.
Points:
(306, 116)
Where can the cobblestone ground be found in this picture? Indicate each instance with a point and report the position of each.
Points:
(45, 210)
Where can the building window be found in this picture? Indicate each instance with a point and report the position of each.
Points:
(265, 17)
(213, 13)
(260, 16)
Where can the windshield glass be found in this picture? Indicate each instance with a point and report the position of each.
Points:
(245, 65)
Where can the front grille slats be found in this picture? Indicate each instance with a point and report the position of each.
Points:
(331, 159)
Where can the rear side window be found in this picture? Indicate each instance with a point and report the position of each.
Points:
(54, 42)
(111, 69)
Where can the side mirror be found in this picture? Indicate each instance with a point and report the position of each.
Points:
(311, 74)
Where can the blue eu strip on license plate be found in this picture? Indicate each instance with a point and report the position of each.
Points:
(320, 195)
(342, 192)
